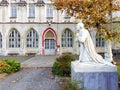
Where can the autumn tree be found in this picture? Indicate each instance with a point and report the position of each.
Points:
(94, 13)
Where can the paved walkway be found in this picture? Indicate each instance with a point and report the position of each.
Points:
(39, 61)
(31, 76)
(30, 79)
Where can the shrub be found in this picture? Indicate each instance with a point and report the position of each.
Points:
(3, 64)
(14, 66)
(62, 65)
(68, 84)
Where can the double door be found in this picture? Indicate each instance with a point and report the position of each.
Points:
(49, 46)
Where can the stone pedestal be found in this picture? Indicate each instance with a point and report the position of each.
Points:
(95, 76)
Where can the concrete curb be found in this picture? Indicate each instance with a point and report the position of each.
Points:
(33, 67)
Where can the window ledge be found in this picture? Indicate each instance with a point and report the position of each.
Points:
(13, 17)
(67, 17)
(31, 17)
(49, 17)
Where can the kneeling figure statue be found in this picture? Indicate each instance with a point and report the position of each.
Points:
(88, 53)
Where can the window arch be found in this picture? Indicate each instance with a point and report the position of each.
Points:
(32, 39)
(14, 39)
(49, 34)
(99, 41)
(0, 40)
(67, 38)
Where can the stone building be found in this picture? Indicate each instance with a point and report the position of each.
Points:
(35, 27)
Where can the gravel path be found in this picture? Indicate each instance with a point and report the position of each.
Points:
(30, 79)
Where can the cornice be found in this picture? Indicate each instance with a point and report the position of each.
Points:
(37, 23)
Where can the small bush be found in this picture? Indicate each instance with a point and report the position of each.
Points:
(14, 66)
(62, 66)
(3, 64)
(68, 84)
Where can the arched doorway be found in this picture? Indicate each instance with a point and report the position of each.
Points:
(49, 42)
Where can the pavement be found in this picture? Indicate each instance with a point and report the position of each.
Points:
(36, 74)
(39, 62)
(30, 79)
(34, 61)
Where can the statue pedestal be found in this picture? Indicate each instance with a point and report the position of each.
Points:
(95, 76)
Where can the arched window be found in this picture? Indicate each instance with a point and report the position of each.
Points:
(67, 38)
(14, 39)
(32, 39)
(0, 40)
(99, 41)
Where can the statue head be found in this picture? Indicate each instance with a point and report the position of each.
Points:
(80, 25)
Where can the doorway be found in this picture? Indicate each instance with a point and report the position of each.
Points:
(49, 43)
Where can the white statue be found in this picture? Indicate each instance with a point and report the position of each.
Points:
(87, 51)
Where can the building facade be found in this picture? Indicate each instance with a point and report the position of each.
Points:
(35, 27)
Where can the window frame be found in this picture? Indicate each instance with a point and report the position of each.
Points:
(49, 11)
(100, 42)
(31, 41)
(14, 39)
(0, 40)
(31, 11)
(67, 38)
(13, 10)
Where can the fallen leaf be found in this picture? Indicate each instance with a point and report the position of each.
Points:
(13, 81)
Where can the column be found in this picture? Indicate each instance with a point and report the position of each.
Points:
(108, 51)
(4, 47)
